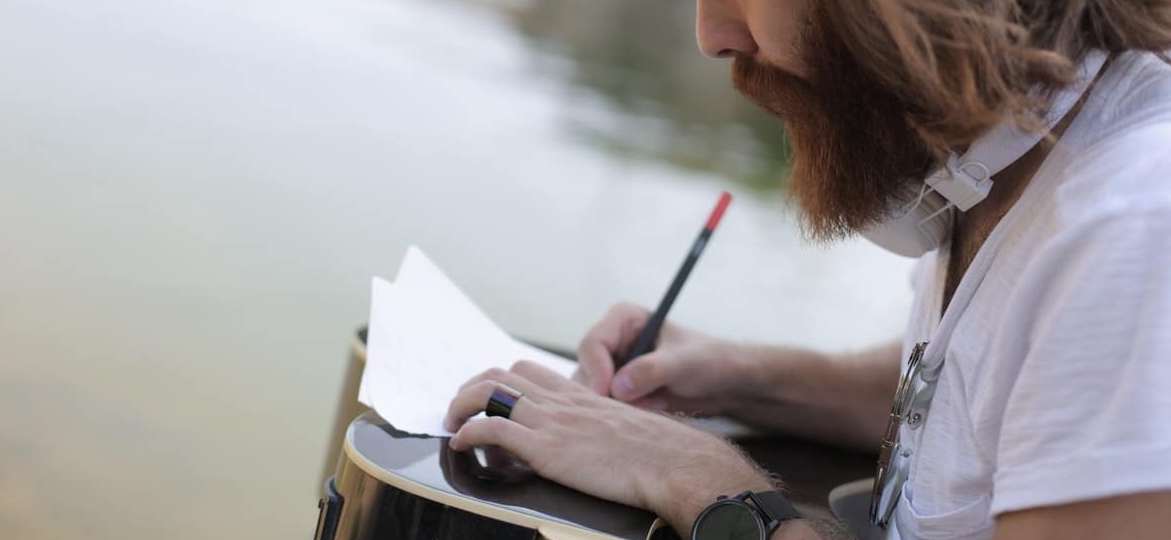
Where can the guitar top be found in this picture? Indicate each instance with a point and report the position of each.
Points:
(425, 478)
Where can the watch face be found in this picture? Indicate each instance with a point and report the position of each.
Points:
(729, 520)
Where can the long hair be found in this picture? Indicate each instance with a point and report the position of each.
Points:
(961, 67)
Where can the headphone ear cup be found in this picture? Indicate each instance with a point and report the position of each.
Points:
(920, 227)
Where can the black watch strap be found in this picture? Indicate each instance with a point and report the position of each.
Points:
(770, 508)
(775, 506)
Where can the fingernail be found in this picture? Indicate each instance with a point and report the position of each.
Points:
(623, 384)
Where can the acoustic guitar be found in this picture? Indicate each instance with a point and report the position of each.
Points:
(390, 485)
(396, 486)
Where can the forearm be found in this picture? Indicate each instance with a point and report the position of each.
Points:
(815, 523)
(842, 399)
(821, 524)
(683, 495)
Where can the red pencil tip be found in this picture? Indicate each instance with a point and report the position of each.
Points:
(718, 212)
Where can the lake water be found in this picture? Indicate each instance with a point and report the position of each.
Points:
(195, 194)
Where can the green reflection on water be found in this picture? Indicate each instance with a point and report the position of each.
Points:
(672, 103)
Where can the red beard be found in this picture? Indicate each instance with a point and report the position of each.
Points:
(853, 149)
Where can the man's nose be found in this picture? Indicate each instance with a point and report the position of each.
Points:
(721, 30)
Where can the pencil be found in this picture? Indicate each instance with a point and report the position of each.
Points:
(646, 339)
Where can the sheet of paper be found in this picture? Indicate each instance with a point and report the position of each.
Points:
(426, 338)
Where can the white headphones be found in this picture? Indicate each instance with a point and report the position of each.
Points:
(925, 223)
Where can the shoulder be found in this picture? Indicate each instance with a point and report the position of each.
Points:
(1126, 173)
(1119, 157)
(1134, 90)
(1139, 82)
(1095, 238)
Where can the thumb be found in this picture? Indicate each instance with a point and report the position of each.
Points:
(642, 376)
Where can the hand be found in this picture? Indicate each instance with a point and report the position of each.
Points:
(687, 372)
(603, 447)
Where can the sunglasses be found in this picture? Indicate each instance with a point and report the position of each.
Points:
(912, 399)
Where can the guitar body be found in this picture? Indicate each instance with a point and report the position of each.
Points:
(388, 485)
(394, 486)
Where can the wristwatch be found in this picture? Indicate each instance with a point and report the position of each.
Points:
(747, 516)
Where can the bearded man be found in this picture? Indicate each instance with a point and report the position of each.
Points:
(1022, 150)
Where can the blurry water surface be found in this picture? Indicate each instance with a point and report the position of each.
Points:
(195, 193)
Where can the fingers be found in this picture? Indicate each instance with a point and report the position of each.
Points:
(502, 375)
(496, 431)
(543, 376)
(473, 398)
(642, 377)
(525, 373)
(607, 339)
(595, 367)
(530, 378)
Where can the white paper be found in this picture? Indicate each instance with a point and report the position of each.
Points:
(426, 338)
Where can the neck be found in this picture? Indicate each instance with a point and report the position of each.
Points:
(973, 227)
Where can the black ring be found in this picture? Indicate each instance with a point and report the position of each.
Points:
(502, 400)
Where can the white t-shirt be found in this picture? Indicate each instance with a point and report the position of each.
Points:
(1056, 385)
